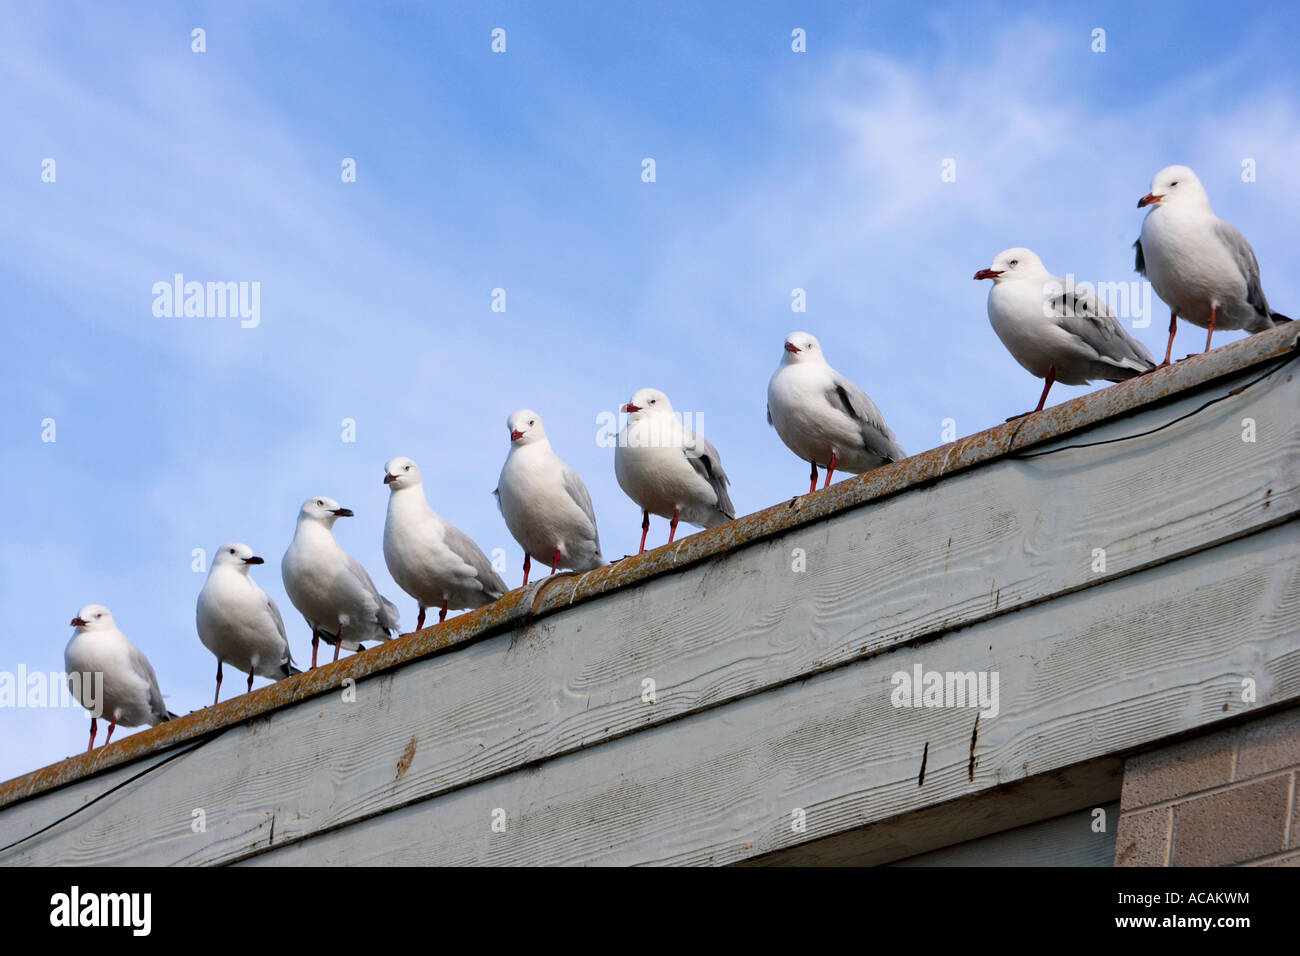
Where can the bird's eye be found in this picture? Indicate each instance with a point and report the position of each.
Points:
(321, 503)
(652, 401)
(99, 615)
(1173, 184)
(232, 550)
(1013, 263)
(531, 422)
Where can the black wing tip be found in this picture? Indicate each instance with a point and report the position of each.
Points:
(1139, 261)
(1279, 317)
(168, 715)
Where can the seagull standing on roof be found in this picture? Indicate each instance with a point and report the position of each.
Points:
(238, 622)
(823, 417)
(1057, 333)
(110, 676)
(329, 587)
(434, 562)
(544, 503)
(1202, 267)
(667, 469)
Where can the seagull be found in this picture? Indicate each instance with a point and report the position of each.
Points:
(238, 621)
(107, 674)
(1056, 331)
(1202, 267)
(434, 562)
(667, 469)
(823, 417)
(329, 587)
(544, 502)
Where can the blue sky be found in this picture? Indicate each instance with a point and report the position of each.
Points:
(522, 171)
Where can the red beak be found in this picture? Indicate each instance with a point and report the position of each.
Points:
(791, 348)
(629, 408)
(988, 273)
(1150, 199)
(78, 622)
(516, 434)
(389, 479)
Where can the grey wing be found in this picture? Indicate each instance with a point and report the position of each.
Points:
(1244, 256)
(707, 463)
(769, 414)
(279, 626)
(876, 435)
(469, 552)
(140, 664)
(578, 492)
(1089, 318)
(1139, 262)
(387, 615)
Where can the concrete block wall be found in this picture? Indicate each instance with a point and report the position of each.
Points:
(1225, 798)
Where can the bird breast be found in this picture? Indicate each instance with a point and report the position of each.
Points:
(651, 466)
(1189, 268)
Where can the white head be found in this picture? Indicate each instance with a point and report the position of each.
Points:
(1175, 184)
(803, 347)
(324, 510)
(645, 402)
(1011, 264)
(93, 617)
(235, 555)
(401, 473)
(525, 428)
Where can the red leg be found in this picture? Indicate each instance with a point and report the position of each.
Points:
(1173, 327)
(419, 624)
(442, 615)
(672, 528)
(645, 529)
(527, 562)
(1210, 334)
(830, 470)
(1047, 387)
(555, 560)
(111, 727)
(315, 643)
(338, 644)
(217, 696)
(93, 728)
(812, 479)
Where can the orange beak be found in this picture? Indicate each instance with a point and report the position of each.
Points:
(1150, 199)
(988, 273)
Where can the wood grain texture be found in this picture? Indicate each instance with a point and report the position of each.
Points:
(1080, 678)
(894, 575)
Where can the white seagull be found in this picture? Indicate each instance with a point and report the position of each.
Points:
(823, 417)
(110, 676)
(1058, 332)
(667, 469)
(1202, 267)
(238, 622)
(329, 587)
(544, 502)
(434, 562)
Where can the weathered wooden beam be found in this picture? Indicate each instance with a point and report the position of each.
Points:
(557, 672)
